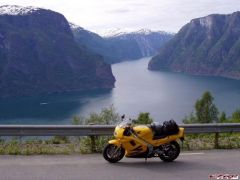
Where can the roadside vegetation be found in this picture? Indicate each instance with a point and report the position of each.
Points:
(205, 112)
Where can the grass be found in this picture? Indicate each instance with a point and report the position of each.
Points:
(77, 145)
(206, 141)
(36, 147)
(55, 145)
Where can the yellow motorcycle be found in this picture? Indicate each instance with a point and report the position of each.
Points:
(144, 141)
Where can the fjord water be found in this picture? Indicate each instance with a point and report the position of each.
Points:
(165, 95)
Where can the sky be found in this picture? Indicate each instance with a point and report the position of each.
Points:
(101, 15)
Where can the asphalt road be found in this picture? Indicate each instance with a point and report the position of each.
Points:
(189, 166)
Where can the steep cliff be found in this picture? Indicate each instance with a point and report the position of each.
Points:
(206, 46)
(38, 54)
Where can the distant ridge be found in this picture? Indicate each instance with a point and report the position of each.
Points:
(118, 45)
(119, 32)
(205, 46)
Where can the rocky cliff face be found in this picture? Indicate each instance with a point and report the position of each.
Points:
(122, 46)
(38, 54)
(206, 46)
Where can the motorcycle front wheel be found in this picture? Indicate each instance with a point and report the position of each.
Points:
(170, 152)
(112, 153)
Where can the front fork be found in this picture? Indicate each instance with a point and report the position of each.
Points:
(116, 142)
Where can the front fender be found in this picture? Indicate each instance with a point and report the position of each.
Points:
(181, 132)
(115, 142)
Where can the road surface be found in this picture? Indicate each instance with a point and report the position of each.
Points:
(189, 166)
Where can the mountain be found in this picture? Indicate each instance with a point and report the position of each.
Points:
(137, 44)
(38, 54)
(94, 42)
(205, 46)
(119, 46)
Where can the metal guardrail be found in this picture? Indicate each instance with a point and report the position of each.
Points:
(56, 130)
(211, 128)
(99, 130)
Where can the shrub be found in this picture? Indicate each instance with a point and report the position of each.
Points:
(143, 118)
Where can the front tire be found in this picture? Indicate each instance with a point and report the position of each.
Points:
(112, 153)
(170, 152)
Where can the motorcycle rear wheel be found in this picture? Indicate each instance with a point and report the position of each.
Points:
(170, 152)
(112, 153)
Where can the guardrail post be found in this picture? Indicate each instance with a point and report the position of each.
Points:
(93, 144)
(93, 141)
(216, 143)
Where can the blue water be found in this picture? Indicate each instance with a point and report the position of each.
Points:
(165, 95)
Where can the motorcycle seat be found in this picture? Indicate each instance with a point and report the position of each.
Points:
(158, 132)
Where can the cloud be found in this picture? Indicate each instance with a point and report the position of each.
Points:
(138, 4)
(169, 15)
(119, 11)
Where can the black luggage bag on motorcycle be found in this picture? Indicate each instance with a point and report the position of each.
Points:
(170, 127)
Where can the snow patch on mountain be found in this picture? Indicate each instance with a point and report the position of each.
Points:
(74, 26)
(117, 32)
(78, 29)
(114, 32)
(17, 10)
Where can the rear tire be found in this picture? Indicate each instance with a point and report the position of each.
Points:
(112, 153)
(170, 152)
